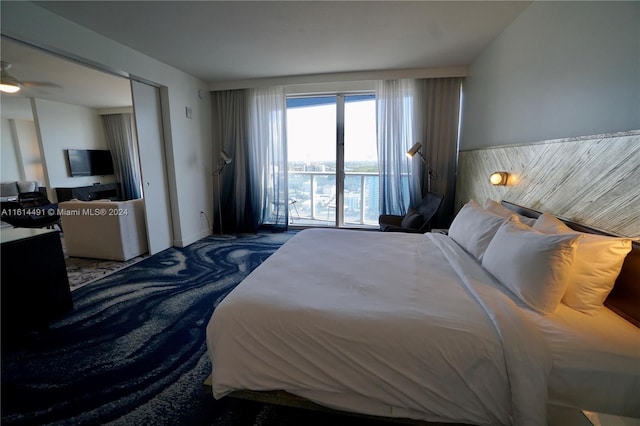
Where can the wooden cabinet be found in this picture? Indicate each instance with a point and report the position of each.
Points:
(104, 191)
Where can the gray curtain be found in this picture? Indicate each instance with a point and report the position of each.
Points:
(249, 125)
(440, 132)
(230, 129)
(121, 140)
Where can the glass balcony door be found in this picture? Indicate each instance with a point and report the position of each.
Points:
(311, 153)
(333, 174)
(360, 192)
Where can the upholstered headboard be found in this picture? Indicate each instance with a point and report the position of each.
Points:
(624, 299)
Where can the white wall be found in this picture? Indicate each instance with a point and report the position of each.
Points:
(9, 169)
(62, 126)
(561, 69)
(21, 159)
(187, 141)
(30, 154)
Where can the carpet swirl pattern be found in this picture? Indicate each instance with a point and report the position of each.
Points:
(133, 349)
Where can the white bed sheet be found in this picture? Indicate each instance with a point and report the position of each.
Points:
(420, 331)
(596, 360)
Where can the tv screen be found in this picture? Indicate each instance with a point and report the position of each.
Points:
(89, 162)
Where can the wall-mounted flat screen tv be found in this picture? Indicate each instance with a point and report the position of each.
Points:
(89, 162)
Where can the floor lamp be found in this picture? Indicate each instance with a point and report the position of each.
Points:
(416, 149)
(224, 160)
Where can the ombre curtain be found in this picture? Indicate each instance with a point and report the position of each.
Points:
(249, 125)
(397, 110)
(230, 128)
(268, 156)
(121, 140)
(439, 126)
(425, 111)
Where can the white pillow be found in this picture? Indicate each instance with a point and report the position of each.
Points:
(534, 266)
(497, 208)
(599, 259)
(473, 228)
(27, 186)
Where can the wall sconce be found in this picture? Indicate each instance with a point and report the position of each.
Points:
(499, 178)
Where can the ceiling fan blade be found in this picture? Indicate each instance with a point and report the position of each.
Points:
(36, 84)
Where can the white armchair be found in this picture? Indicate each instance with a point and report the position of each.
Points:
(103, 229)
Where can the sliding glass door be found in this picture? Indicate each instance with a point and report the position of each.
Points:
(333, 169)
(361, 189)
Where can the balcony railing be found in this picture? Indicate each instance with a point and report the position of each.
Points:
(312, 198)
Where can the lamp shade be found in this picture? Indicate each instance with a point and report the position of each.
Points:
(415, 148)
(499, 178)
(225, 157)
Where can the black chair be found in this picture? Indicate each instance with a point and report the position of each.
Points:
(416, 220)
(31, 210)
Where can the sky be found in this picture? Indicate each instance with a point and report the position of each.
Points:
(311, 132)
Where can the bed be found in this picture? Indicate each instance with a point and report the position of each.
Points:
(423, 326)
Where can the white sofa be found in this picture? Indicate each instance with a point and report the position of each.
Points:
(9, 191)
(103, 229)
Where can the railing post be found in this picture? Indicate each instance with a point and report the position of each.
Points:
(313, 204)
(362, 197)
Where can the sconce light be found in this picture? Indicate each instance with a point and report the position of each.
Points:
(499, 178)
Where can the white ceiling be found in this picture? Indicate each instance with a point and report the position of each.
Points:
(238, 40)
(46, 76)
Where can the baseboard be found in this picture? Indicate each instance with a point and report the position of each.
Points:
(192, 239)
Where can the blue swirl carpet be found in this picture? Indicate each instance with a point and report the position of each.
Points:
(133, 351)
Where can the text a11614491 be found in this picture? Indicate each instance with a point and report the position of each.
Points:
(65, 212)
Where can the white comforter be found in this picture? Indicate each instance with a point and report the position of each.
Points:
(389, 324)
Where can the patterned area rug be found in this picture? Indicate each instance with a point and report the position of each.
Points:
(82, 271)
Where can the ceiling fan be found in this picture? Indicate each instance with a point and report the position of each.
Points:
(10, 84)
